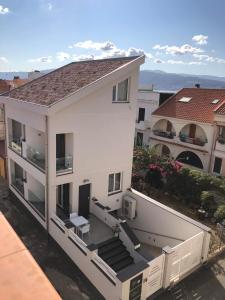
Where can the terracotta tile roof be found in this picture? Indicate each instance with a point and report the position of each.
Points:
(4, 86)
(54, 86)
(221, 109)
(21, 277)
(200, 108)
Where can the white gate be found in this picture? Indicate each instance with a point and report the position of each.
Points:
(155, 274)
(184, 257)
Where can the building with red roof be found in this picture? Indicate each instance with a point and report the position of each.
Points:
(189, 126)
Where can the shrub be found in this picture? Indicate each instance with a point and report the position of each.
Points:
(220, 213)
(208, 202)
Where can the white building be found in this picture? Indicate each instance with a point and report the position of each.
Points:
(147, 102)
(69, 141)
(184, 127)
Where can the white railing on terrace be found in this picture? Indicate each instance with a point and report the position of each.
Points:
(106, 268)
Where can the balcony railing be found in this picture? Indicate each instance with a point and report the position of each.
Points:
(221, 140)
(165, 134)
(15, 144)
(36, 157)
(18, 184)
(64, 165)
(199, 141)
(36, 202)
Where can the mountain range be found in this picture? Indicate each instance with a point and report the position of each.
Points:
(161, 80)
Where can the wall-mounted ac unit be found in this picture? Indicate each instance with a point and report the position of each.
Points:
(129, 207)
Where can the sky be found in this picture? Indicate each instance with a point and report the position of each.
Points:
(178, 36)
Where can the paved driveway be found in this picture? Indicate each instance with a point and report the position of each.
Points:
(67, 279)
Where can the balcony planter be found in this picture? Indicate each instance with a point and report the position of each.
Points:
(221, 140)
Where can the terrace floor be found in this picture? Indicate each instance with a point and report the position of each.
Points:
(99, 231)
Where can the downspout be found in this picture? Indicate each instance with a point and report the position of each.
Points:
(5, 146)
(213, 147)
(47, 174)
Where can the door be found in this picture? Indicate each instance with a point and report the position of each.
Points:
(60, 145)
(141, 114)
(192, 131)
(84, 200)
(139, 141)
(63, 200)
(169, 126)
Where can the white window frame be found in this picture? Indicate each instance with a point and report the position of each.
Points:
(116, 87)
(114, 191)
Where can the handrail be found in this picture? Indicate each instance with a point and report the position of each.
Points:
(159, 234)
(105, 267)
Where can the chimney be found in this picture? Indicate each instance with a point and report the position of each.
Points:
(197, 85)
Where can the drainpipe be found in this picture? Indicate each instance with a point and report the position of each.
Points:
(46, 174)
(5, 146)
(213, 146)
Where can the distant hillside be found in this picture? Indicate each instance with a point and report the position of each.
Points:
(161, 80)
(172, 81)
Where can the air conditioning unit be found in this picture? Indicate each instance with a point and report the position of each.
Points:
(129, 207)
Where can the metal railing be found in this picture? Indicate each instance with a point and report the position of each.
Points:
(165, 134)
(199, 141)
(18, 184)
(64, 164)
(36, 157)
(36, 202)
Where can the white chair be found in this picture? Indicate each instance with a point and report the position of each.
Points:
(73, 215)
(84, 229)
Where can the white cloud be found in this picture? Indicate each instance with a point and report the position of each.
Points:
(200, 39)
(62, 56)
(50, 6)
(4, 10)
(181, 62)
(178, 50)
(3, 59)
(105, 46)
(209, 58)
(82, 57)
(44, 59)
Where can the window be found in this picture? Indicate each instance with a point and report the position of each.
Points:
(114, 183)
(217, 165)
(215, 101)
(184, 99)
(120, 92)
(222, 131)
(141, 114)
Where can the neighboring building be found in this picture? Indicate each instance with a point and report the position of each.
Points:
(69, 141)
(34, 75)
(147, 102)
(218, 155)
(184, 127)
(21, 277)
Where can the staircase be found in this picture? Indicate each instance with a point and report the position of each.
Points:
(115, 254)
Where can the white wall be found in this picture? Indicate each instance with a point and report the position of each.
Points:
(103, 135)
(166, 223)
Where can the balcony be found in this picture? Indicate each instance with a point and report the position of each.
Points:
(37, 202)
(142, 125)
(220, 143)
(35, 157)
(164, 134)
(18, 184)
(15, 143)
(199, 141)
(64, 165)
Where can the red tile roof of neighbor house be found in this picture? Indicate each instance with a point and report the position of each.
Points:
(21, 277)
(54, 86)
(199, 109)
